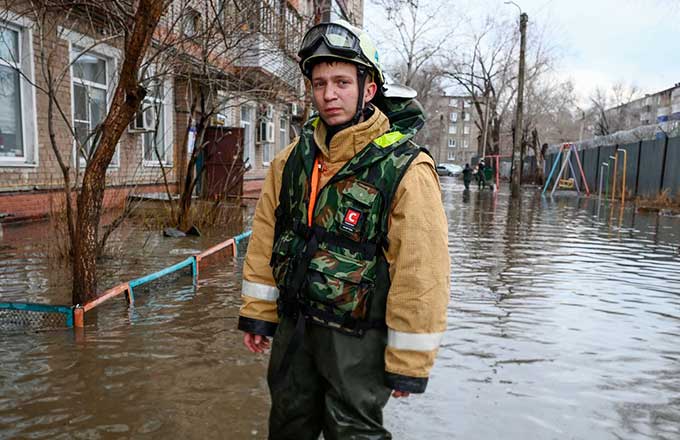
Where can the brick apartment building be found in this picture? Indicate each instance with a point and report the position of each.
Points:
(453, 133)
(155, 147)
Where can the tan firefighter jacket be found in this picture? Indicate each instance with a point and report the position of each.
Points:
(417, 255)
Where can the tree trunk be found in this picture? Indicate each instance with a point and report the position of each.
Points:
(538, 154)
(125, 103)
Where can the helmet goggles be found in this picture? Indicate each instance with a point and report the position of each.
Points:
(339, 40)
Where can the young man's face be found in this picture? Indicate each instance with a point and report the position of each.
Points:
(336, 89)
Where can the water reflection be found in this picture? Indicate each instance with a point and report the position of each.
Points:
(564, 323)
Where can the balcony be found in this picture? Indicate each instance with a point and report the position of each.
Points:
(262, 54)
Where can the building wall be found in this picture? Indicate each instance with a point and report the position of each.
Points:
(453, 130)
(654, 108)
(43, 171)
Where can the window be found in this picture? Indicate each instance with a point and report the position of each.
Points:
(266, 154)
(467, 103)
(157, 136)
(452, 129)
(247, 115)
(452, 143)
(191, 23)
(467, 116)
(89, 76)
(454, 117)
(11, 139)
(292, 27)
(283, 132)
(17, 114)
(451, 156)
(466, 129)
(453, 102)
(466, 143)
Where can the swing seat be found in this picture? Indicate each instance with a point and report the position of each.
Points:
(566, 183)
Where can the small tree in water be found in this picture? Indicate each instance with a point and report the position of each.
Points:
(128, 26)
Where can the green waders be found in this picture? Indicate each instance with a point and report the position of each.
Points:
(334, 384)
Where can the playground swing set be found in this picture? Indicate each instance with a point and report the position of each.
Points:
(568, 156)
(569, 152)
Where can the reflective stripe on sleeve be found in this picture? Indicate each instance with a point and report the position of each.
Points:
(260, 291)
(413, 341)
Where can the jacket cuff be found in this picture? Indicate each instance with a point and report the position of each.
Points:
(256, 326)
(409, 384)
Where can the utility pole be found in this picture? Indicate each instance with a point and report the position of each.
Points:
(516, 160)
(486, 125)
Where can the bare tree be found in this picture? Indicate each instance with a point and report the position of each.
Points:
(485, 68)
(609, 112)
(423, 31)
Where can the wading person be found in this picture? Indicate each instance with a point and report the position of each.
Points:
(467, 176)
(348, 266)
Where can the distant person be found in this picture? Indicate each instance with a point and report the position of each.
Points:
(481, 181)
(467, 176)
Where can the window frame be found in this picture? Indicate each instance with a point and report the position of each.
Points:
(25, 68)
(249, 132)
(167, 104)
(111, 56)
(283, 132)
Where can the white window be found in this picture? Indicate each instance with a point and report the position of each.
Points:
(452, 129)
(466, 116)
(90, 84)
(283, 132)
(191, 23)
(454, 117)
(247, 116)
(266, 154)
(451, 156)
(466, 143)
(156, 117)
(452, 143)
(466, 129)
(17, 96)
(467, 103)
(453, 102)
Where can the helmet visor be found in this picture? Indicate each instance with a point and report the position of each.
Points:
(338, 39)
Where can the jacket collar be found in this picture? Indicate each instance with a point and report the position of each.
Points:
(350, 141)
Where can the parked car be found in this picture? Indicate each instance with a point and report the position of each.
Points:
(449, 169)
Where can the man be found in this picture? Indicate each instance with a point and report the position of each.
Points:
(467, 176)
(481, 178)
(348, 265)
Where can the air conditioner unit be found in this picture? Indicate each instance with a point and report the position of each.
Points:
(270, 132)
(145, 120)
(266, 132)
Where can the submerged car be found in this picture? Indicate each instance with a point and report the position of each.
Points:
(449, 169)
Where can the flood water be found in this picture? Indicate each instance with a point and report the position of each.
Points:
(564, 323)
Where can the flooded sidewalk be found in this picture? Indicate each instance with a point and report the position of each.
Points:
(564, 322)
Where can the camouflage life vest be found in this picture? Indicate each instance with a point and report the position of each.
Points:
(335, 272)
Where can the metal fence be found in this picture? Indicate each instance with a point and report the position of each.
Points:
(652, 165)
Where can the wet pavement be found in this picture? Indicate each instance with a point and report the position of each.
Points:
(564, 323)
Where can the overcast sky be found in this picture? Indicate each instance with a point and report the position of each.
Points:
(600, 41)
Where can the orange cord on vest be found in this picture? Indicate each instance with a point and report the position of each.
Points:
(314, 189)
